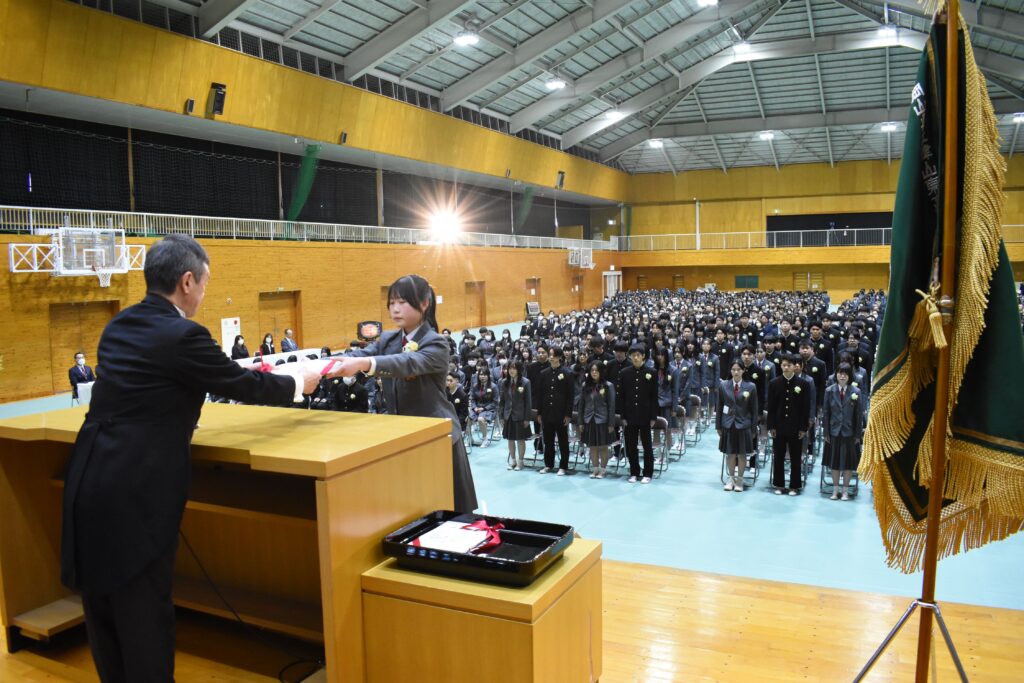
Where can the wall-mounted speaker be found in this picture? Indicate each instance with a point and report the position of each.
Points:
(215, 102)
(560, 180)
(190, 104)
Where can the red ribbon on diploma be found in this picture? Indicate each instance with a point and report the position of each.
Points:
(493, 537)
(327, 368)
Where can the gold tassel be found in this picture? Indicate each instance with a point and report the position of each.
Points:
(927, 319)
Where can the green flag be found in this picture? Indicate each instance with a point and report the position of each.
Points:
(983, 495)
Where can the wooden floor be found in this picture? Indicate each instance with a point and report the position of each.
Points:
(660, 625)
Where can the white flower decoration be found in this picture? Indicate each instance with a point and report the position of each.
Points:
(648, 375)
(458, 401)
(561, 376)
(814, 369)
(797, 389)
(821, 346)
(601, 392)
(410, 346)
(605, 362)
(754, 375)
(520, 390)
(746, 394)
(352, 397)
(855, 384)
(698, 362)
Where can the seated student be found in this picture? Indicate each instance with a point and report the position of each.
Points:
(843, 424)
(452, 348)
(469, 370)
(351, 396)
(515, 403)
(457, 397)
(597, 417)
(238, 349)
(735, 421)
(483, 401)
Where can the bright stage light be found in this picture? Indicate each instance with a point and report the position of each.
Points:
(741, 48)
(887, 33)
(655, 144)
(466, 39)
(1018, 118)
(614, 115)
(555, 84)
(767, 135)
(889, 127)
(707, 3)
(445, 225)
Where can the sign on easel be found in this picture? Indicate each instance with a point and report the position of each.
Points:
(229, 328)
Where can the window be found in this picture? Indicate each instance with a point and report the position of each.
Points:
(746, 282)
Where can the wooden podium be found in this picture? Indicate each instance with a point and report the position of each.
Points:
(287, 510)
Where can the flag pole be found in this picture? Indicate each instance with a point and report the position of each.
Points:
(946, 303)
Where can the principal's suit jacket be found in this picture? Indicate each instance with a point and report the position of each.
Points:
(78, 375)
(414, 384)
(846, 417)
(129, 472)
(743, 411)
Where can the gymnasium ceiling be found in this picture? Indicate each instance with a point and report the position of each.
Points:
(817, 74)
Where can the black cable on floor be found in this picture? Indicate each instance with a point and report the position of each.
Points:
(257, 631)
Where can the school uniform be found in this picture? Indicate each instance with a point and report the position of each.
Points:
(638, 406)
(460, 402)
(725, 352)
(486, 399)
(554, 400)
(707, 368)
(413, 383)
(515, 406)
(597, 414)
(824, 351)
(842, 418)
(736, 417)
(668, 392)
(351, 398)
(789, 413)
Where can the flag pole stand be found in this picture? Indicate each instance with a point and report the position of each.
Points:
(940, 420)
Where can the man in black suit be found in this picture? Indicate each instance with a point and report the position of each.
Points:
(80, 374)
(556, 390)
(128, 475)
(638, 406)
(789, 414)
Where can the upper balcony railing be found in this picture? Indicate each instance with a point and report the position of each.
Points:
(26, 220)
(778, 239)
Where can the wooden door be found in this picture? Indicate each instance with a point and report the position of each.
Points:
(816, 281)
(533, 291)
(801, 282)
(278, 312)
(73, 328)
(476, 305)
(677, 282)
(641, 282)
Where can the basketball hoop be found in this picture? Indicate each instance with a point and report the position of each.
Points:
(104, 275)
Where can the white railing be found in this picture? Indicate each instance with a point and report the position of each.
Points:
(778, 240)
(27, 220)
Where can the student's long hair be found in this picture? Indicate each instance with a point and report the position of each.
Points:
(415, 291)
(518, 365)
(588, 381)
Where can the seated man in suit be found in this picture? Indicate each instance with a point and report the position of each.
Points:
(288, 343)
(80, 374)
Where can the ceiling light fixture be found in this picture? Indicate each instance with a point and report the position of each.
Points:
(655, 144)
(466, 39)
(742, 47)
(707, 3)
(887, 32)
(614, 115)
(767, 135)
(1018, 118)
(889, 127)
(555, 84)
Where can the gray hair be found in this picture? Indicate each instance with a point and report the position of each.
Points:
(169, 259)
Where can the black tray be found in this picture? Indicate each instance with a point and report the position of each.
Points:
(527, 549)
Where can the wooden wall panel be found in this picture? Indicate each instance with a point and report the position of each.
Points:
(335, 286)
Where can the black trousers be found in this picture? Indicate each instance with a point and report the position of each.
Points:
(131, 630)
(643, 434)
(782, 445)
(551, 430)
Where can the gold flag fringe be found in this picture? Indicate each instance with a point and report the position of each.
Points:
(961, 527)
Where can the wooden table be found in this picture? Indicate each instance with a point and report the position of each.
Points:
(427, 628)
(286, 512)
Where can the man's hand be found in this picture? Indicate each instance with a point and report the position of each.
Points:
(307, 374)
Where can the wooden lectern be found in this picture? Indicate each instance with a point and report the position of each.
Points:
(287, 510)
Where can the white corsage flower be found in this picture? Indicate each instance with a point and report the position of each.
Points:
(814, 369)
(855, 384)
(746, 394)
(520, 390)
(797, 389)
(754, 375)
(698, 362)
(410, 346)
(458, 401)
(854, 397)
(648, 375)
(561, 376)
(601, 392)
(352, 397)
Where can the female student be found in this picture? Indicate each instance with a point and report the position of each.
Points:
(238, 349)
(736, 418)
(515, 402)
(412, 361)
(842, 421)
(267, 347)
(597, 417)
(483, 402)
